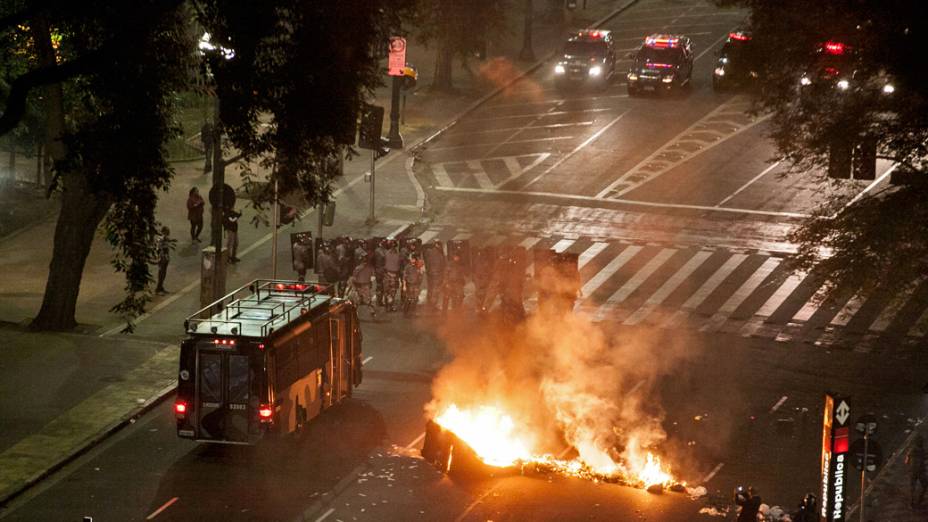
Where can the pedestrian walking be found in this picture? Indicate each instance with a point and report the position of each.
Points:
(750, 502)
(412, 283)
(207, 137)
(230, 225)
(434, 257)
(915, 459)
(392, 266)
(165, 244)
(455, 279)
(361, 282)
(195, 206)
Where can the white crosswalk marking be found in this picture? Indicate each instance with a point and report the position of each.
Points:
(746, 289)
(529, 242)
(847, 311)
(590, 253)
(476, 169)
(632, 284)
(441, 175)
(668, 287)
(429, 235)
(461, 236)
(812, 305)
(773, 303)
(889, 312)
(597, 280)
(706, 289)
(920, 328)
(563, 245)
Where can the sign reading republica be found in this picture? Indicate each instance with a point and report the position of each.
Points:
(835, 461)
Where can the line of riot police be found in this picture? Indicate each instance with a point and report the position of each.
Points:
(389, 272)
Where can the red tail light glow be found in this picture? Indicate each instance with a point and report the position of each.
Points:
(739, 36)
(180, 409)
(836, 48)
(265, 412)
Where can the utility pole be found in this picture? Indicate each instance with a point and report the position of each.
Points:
(394, 138)
(527, 54)
(217, 209)
(275, 223)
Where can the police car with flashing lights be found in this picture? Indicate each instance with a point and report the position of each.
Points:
(663, 63)
(588, 57)
(836, 68)
(734, 65)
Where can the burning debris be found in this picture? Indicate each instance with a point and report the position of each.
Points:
(522, 397)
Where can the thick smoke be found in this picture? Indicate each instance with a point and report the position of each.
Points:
(568, 383)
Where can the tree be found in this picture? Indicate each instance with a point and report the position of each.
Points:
(882, 239)
(458, 28)
(302, 66)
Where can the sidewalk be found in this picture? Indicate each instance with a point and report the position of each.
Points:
(60, 393)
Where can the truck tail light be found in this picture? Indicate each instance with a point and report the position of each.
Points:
(265, 412)
(180, 409)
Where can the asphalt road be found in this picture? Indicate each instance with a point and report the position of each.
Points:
(666, 199)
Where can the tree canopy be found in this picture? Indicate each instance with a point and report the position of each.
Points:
(882, 239)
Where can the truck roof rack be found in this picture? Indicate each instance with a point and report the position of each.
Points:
(258, 308)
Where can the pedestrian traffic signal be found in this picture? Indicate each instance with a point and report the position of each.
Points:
(371, 127)
(864, 160)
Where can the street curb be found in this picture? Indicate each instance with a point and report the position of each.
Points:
(128, 418)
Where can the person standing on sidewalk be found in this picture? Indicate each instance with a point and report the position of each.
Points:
(164, 257)
(207, 136)
(195, 205)
(230, 224)
(918, 475)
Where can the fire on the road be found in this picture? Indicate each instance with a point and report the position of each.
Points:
(494, 437)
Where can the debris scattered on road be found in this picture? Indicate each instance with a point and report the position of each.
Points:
(713, 512)
(697, 492)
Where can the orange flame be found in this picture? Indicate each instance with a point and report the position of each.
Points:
(493, 436)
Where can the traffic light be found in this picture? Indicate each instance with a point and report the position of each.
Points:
(864, 159)
(371, 127)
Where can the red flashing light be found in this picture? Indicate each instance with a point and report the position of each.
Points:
(180, 408)
(842, 440)
(224, 342)
(660, 65)
(661, 42)
(835, 48)
(264, 412)
(739, 36)
(261, 346)
(831, 71)
(279, 286)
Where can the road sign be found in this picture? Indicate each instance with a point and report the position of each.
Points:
(834, 464)
(397, 60)
(228, 196)
(866, 425)
(874, 455)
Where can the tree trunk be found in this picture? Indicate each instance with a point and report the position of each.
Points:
(443, 67)
(54, 96)
(81, 213)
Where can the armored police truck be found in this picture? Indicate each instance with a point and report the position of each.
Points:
(265, 359)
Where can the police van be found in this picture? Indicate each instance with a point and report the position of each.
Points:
(265, 359)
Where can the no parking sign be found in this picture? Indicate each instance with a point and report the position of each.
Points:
(397, 59)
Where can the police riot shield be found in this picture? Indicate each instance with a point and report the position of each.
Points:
(301, 251)
(319, 245)
(411, 245)
(461, 249)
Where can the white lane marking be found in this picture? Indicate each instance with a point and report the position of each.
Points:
(847, 312)
(428, 235)
(590, 253)
(597, 280)
(745, 290)
(529, 242)
(420, 192)
(367, 359)
(563, 245)
(882, 322)
(637, 385)
(164, 506)
(863, 192)
(399, 229)
(811, 306)
(462, 236)
(441, 175)
(920, 328)
(510, 129)
(476, 170)
(778, 404)
(416, 441)
(496, 145)
(325, 515)
(586, 142)
(578, 197)
(638, 279)
(667, 288)
(748, 184)
(705, 290)
(541, 114)
(712, 473)
(709, 48)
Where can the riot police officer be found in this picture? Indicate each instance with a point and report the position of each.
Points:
(392, 265)
(455, 279)
(435, 262)
(412, 280)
